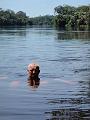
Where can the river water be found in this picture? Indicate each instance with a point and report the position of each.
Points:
(64, 59)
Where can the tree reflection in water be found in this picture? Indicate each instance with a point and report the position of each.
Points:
(69, 114)
(67, 35)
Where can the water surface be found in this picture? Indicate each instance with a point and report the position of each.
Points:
(64, 59)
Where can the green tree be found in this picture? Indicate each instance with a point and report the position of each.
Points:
(74, 17)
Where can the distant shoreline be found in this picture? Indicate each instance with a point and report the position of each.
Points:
(67, 17)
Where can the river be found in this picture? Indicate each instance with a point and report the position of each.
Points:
(64, 59)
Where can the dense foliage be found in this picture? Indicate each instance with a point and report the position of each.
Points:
(9, 17)
(72, 17)
(42, 20)
(64, 17)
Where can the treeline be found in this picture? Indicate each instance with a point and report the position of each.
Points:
(64, 17)
(72, 17)
(42, 20)
(9, 17)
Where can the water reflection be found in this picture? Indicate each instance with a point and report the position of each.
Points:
(75, 105)
(84, 35)
(15, 31)
(69, 114)
(64, 92)
(33, 83)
